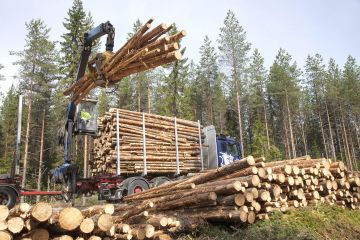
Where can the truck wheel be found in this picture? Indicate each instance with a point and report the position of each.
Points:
(155, 182)
(136, 186)
(7, 197)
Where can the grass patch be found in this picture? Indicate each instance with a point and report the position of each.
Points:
(321, 222)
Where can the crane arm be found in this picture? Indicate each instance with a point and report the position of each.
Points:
(66, 173)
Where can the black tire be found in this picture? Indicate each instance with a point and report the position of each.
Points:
(7, 197)
(137, 185)
(155, 182)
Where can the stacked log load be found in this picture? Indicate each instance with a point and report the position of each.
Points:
(160, 144)
(238, 193)
(144, 50)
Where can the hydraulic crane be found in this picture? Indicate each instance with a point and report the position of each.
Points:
(66, 173)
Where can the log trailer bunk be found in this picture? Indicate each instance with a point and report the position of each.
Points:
(220, 150)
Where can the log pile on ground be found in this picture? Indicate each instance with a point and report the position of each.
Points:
(239, 193)
(160, 144)
(146, 49)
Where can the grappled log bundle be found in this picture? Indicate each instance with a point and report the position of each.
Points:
(146, 49)
(147, 142)
(231, 194)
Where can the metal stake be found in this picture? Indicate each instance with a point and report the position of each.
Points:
(117, 144)
(144, 143)
(176, 148)
(201, 150)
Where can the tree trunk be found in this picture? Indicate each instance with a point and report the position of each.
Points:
(266, 125)
(239, 115)
(41, 155)
(6, 146)
(357, 132)
(290, 126)
(353, 153)
(344, 146)
(210, 102)
(221, 123)
(149, 96)
(323, 135)
(303, 137)
(138, 93)
(331, 134)
(338, 135)
(286, 143)
(346, 139)
(27, 135)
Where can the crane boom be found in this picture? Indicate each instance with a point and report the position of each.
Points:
(66, 173)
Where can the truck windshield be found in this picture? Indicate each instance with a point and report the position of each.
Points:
(233, 149)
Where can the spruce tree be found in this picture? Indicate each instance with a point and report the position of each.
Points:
(257, 81)
(8, 126)
(141, 85)
(175, 83)
(1, 76)
(209, 83)
(76, 24)
(234, 49)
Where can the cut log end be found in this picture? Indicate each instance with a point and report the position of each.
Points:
(4, 212)
(5, 235)
(87, 225)
(70, 218)
(42, 211)
(15, 224)
(105, 222)
(177, 55)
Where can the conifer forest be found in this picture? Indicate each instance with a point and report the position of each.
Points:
(280, 112)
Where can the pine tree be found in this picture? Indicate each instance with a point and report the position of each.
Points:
(333, 85)
(316, 75)
(283, 93)
(37, 71)
(233, 57)
(349, 111)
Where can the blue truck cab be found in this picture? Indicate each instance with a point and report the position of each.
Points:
(219, 150)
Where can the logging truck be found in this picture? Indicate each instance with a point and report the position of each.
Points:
(81, 119)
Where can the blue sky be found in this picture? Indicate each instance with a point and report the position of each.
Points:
(330, 28)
